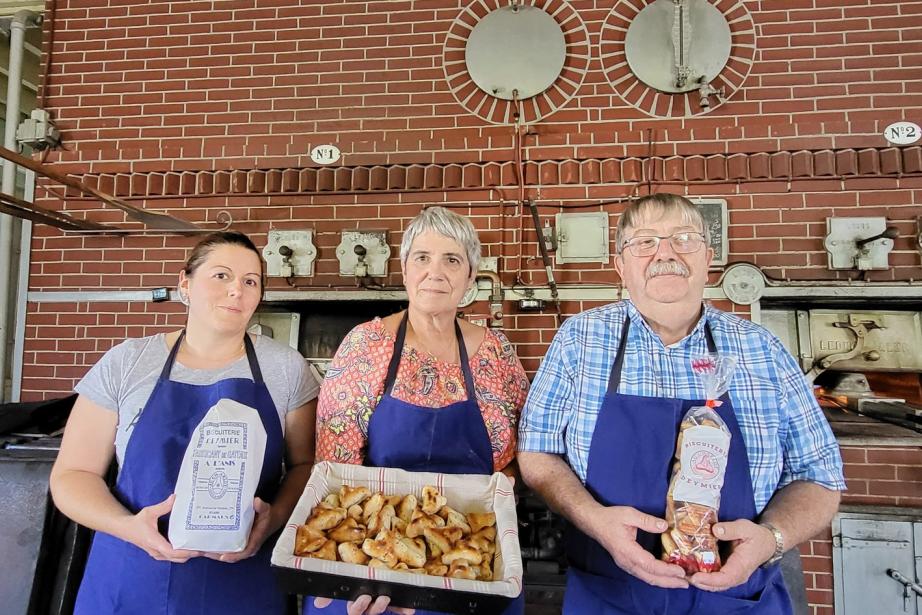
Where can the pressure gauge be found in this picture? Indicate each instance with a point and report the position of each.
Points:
(677, 58)
(743, 283)
(469, 296)
(678, 45)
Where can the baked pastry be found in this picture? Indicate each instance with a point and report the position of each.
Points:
(373, 505)
(381, 520)
(397, 532)
(325, 517)
(349, 496)
(352, 553)
(407, 507)
(307, 539)
(455, 519)
(464, 552)
(348, 531)
(432, 500)
(421, 521)
(478, 521)
(327, 551)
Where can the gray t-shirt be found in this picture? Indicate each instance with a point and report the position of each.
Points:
(123, 380)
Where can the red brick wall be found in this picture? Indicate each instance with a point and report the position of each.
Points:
(195, 107)
(875, 476)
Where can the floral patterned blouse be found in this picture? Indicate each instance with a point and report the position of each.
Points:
(354, 383)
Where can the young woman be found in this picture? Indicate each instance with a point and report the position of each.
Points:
(140, 404)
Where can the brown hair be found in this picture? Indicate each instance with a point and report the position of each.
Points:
(222, 238)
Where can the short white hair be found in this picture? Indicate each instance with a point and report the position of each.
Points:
(448, 224)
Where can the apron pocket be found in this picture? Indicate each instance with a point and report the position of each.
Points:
(763, 593)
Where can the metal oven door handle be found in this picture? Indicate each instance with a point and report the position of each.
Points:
(909, 586)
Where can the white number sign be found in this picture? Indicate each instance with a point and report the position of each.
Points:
(325, 154)
(902, 133)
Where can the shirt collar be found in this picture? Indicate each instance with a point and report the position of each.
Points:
(697, 332)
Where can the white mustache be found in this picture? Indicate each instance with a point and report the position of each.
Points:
(670, 267)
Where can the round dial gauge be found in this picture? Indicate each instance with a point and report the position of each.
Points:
(677, 58)
(469, 296)
(743, 283)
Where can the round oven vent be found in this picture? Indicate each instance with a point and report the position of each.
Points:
(496, 52)
(515, 52)
(695, 51)
(677, 58)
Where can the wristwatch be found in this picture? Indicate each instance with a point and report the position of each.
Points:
(779, 544)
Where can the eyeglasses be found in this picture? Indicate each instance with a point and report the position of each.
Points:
(683, 242)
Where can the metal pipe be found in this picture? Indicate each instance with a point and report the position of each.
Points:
(496, 296)
(18, 24)
(22, 289)
(496, 292)
(545, 258)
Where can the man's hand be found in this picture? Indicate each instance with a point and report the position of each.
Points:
(363, 606)
(617, 531)
(143, 533)
(752, 546)
(258, 534)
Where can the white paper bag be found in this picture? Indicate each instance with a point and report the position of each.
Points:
(217, 481)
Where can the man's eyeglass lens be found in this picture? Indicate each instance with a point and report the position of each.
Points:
(682, 243)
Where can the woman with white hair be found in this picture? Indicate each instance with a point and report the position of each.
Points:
(422, 389)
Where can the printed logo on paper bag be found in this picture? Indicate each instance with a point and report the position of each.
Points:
(217, 484)
(218, 469)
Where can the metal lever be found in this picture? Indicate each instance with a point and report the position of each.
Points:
(891, 232)
(909, 586)
(860, 330)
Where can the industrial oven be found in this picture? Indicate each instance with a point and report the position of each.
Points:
(862, 348)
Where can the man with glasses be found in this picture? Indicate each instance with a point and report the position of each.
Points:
(598, 434)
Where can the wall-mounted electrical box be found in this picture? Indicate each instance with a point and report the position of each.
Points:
(38, 131)
(290, 254)
(363, 254)
(861, 243)
(582, 237)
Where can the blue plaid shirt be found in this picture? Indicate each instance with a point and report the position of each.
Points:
(787, 437)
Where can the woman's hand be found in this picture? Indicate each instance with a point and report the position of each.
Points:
(258, 534)
(143, 533)
(363, 606)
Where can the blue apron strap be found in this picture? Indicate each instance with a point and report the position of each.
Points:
(614, 378)
(395, 357)
(398, 351)
(168, 366)
(251, 358)
(712, 347)
(465, 364)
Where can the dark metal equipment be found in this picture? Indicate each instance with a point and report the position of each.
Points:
(43, 551)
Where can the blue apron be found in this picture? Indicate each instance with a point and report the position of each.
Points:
(120, 577)
(630, 462)
(451, 440)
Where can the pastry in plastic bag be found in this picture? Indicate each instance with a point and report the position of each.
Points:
(702, 450)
